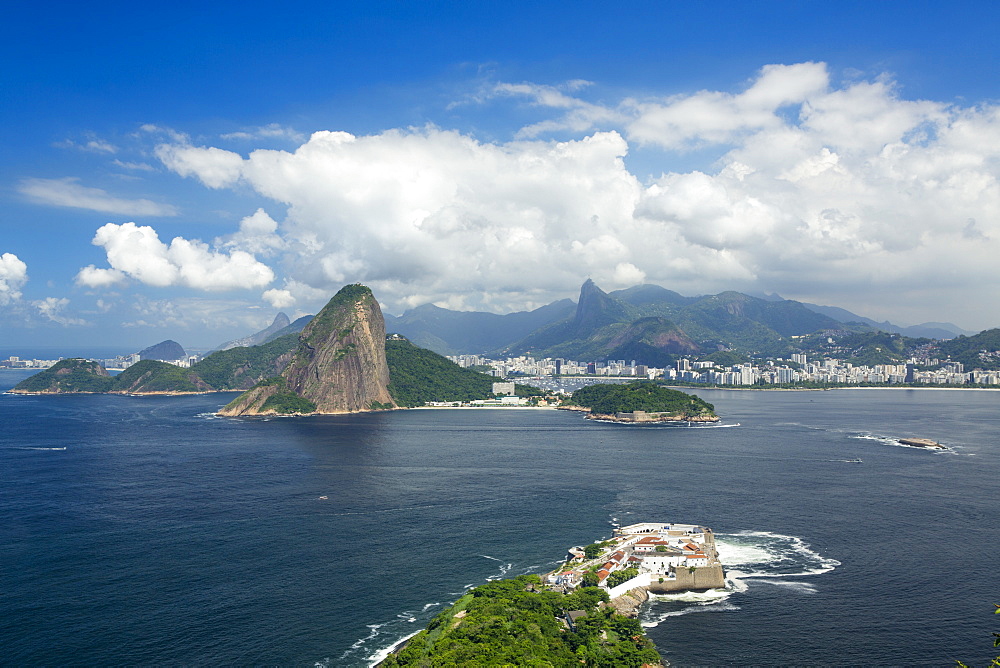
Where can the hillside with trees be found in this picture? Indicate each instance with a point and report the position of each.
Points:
(66, 376)
(609, 398)
(517, 623)
(418, 375)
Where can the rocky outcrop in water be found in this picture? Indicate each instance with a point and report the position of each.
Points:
(339, 365)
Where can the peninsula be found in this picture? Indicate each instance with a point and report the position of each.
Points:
(583, 613)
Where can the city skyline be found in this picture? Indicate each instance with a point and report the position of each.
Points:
(186, 176)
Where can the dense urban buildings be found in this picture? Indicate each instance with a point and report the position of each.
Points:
(797, 370)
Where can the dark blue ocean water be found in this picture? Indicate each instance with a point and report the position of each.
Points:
(144, 531)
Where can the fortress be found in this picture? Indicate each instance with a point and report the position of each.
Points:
(664, 557)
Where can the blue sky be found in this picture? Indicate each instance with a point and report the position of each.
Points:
(161, 177)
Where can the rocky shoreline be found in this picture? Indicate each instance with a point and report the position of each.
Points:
(630, 602)
(639, 416)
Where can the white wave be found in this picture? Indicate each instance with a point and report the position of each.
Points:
(738, 554)
(383, 653)
(28, 447)
(747, 555)
(486, 556)
(428, 606)
(504, 569)
(802, 587)
(372, 633)
(764, 554)
(658, 618)
(700, 597)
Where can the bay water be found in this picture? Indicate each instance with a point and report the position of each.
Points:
(147, 531)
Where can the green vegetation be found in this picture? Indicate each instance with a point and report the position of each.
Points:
(331, 317)
(864, 348)
(594, 550)
(71, 375)
(981, 350)
(240, 368)
(287, 403)
(417, 375)
(724, 358)
(621, 576)
(156, 376)
(284, 401)
(607, 399)
(341, 353)
(515, 623)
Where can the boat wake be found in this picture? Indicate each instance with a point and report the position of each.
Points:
(750, 558)
(29, 447)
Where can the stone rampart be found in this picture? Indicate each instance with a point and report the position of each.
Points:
(699, 579)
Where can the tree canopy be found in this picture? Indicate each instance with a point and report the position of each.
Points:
(609, 398)
(514, 622)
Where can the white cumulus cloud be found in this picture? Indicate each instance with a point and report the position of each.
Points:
(214, 167)
(847, 194)
(52, 309)
(13, 275)
(136, 252)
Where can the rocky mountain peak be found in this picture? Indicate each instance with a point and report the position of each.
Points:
(339, 365)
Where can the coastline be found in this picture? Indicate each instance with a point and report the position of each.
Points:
(831, 389)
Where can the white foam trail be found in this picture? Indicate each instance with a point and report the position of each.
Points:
(428, 606)
(657, 619)
(486, 556)
(747, 555)
(803, 587)
(381, 654)
(700, 597)
(733, 554)
(28, 447)
(763, 552)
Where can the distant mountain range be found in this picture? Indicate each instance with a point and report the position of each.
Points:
(645, 322)
(278, 328)
(471, 332)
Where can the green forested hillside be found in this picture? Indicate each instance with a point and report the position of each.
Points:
(71, 375)
(241, 368)
(513, 623)
(417, 375)
(979, 351)
(155, 376)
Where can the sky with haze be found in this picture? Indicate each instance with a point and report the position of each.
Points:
(186, 171)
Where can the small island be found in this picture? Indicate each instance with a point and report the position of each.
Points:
(642, 402)
(921, 443)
